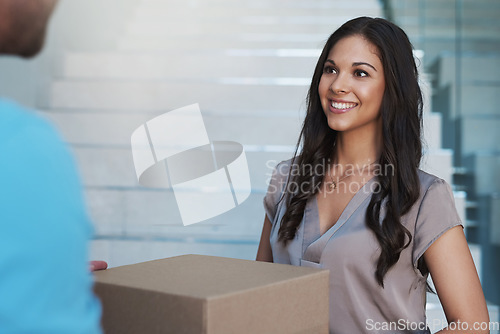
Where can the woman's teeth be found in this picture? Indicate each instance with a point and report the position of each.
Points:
(343, 105)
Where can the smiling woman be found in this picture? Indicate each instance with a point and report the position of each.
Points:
(377, 222)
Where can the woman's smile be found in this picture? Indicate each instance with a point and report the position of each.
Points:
(340, 106)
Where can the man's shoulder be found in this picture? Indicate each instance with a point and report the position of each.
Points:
(20, 126)
(15, 113)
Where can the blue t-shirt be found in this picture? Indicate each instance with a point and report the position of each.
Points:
(45, 284)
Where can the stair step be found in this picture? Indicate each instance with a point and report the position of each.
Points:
(229, 40)
(473, 67)
(264, 4)
(103, 167)
(432, 130)
(155, 214)
(125, 251)
(486, 166)
(115, 129)
(250, 14)
(165, 29)
(494, 218)
(480, 135)
(230, 99)
(470, 95)
(439, 162)
(199, 65)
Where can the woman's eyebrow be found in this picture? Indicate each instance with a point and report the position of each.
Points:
(363, 63)
(353, 64)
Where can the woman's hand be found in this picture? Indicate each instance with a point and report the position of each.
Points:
(98, 265)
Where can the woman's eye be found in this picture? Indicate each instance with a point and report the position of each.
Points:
(360, 73)
(329, 69)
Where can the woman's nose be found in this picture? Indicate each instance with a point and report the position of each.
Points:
(340, 84)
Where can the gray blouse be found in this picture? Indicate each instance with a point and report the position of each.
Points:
(350, 250)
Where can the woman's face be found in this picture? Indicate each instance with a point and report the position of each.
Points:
(352, 85)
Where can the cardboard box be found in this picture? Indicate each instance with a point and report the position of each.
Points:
(199, 294)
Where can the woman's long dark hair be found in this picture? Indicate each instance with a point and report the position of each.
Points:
(401, 113)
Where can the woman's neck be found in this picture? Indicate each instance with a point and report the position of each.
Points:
(358, 147)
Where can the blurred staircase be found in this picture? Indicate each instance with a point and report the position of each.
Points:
(248, 65)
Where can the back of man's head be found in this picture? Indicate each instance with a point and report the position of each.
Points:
(23, 24)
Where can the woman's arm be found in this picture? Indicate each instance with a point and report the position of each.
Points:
(264, 253)
(457, 284)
